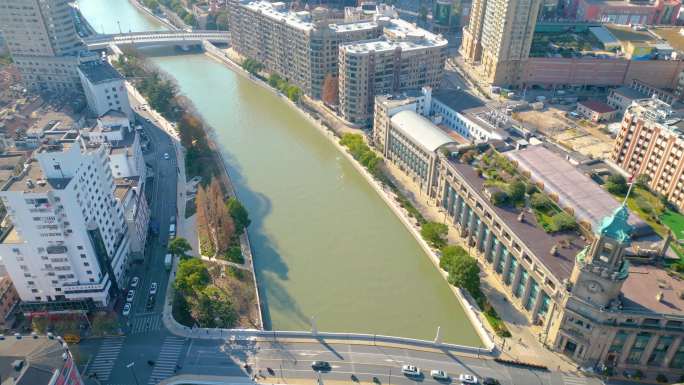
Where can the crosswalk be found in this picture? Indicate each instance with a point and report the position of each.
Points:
(165, 366)
(106, 357)
(568, 380)
(145, 323)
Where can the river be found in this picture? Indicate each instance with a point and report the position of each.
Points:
(325, 244)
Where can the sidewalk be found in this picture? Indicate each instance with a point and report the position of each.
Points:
(524, 345)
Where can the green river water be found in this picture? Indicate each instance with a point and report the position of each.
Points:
(325, 244)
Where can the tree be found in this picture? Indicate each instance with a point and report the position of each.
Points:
(563, 222)
(103, 323)
(499, 198)
(465, 273)
(192, 275)
(222, 21)
(450, 256)
(616, 184)
(643, 180)
(39, 324)
(239, 214)
(540, 202)
(516, 191)
(435, 233)
(422, 14)
(179, 247)
(330, 90)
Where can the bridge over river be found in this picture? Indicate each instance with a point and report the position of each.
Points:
(156, 38)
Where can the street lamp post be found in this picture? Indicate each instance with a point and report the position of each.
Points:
(130, 366)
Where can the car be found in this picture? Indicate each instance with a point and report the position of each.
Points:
(410, 370)
(127, 309)
(135, 281)
(320, 365)
(130, 295)
(153, 288)
(490, 381)
(467, 379)
(439, 374)
(150, 302)
(166, 156)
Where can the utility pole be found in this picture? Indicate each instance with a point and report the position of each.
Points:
(130, 366)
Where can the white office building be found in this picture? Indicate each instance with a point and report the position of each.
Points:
(69, 239)
(104, 89)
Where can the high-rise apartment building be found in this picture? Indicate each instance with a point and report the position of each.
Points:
(498, 38)
(69, 240)
(404, 58)
(43, 41)
(650, 142)
(299, 46)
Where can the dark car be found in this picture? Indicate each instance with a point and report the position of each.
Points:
(150, 302)
(320, 365)
(490, 381)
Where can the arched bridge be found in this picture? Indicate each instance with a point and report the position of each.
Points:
(156, 38)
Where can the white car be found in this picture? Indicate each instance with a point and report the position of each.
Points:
(153, 288)
(166, 156)
(467, 379)
(439, 374)
(127, 309)
(410, 370)
(135, 281)
(130, 295)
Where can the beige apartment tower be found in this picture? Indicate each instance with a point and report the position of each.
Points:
(405, 58)
(650, 142)
(498, 38)
(299, 46)
(42, 39)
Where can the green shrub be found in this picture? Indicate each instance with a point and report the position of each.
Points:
(499, 198)
(563, 222)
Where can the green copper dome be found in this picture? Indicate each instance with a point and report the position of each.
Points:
(616, 226)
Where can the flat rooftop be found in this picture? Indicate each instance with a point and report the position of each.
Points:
(643, 285)
(398, 33)
(41, 356)
(99, 72)
(529, 231)
(588, 201)
(672, 35)
(457, 100)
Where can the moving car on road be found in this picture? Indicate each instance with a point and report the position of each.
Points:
(130, 295)
(150, 302)
(127, 309)
(153, 288)
(166, 156)
(467, 379)
(135, 281)
(410, 370)
(439, 375)
(320, 365)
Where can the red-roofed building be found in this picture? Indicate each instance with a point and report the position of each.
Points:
(596, 111)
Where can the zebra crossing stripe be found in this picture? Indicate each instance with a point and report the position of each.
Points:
(105, 358)
(165, 366)
(574, 380)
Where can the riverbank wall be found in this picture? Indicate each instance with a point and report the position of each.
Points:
(226, 182)
(148, 12)
(471, 310)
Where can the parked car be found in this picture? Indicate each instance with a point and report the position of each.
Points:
(135, 281)
(153, 288)
(127, 309)
(130, 295)
(320, 365)
(490, 381)
(439, 375)
(467, 379)
(410, 370)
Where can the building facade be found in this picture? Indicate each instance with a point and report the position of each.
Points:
(69, 241)
(498, 38)
(104, 89)
(299, 46)
(405, 58)
(650, 142)
(584, 299)
(44, 44)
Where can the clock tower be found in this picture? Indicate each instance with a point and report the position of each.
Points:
(601, 268)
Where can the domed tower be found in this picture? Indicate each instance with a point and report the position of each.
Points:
(601, 268)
